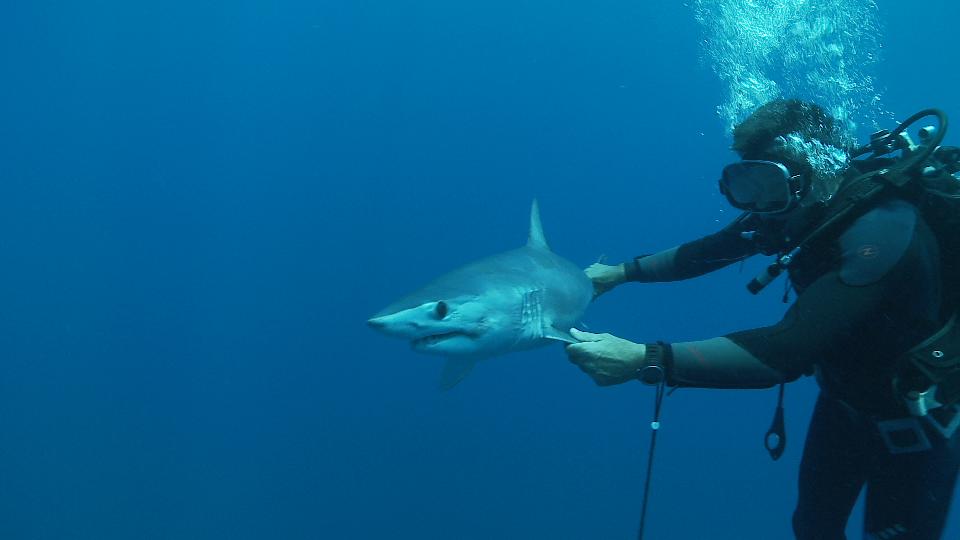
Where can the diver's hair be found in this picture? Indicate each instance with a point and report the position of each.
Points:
(801, 135)
(781, 117)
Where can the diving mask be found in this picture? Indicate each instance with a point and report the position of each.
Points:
(760, 186)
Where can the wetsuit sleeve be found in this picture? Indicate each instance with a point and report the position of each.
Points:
(825, 316)
(885, 259)
(694, 258)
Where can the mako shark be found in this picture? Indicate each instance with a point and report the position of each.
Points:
(511, 301)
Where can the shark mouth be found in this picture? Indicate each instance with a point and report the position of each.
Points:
(429, 341)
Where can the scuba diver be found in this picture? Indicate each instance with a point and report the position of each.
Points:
(860, 242)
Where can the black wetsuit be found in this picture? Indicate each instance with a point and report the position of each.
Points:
(863, 300)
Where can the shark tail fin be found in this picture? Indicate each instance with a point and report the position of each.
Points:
(536, 238)
(454, 371)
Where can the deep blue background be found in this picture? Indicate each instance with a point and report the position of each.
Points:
(201, 203)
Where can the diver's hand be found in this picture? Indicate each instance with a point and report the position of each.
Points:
(605, 277)
(606, 358)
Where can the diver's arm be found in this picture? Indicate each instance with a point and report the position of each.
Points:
(695, 258)
(887, 259)
(691, 259)
(888, 267)
(712, 363)
(828, 314)
(685, 261)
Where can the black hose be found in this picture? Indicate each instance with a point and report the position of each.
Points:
(928, 148)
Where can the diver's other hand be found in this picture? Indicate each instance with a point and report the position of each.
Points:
(606, 358)
(605, 277)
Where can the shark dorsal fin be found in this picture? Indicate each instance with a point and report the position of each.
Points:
(536, 238)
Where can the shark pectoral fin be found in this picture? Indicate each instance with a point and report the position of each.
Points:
(558, 335)
(455, 370)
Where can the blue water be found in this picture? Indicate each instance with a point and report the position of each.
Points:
(202, 202)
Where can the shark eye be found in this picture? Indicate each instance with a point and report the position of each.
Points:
(441, 309)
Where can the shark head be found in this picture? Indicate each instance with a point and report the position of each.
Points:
(458, 326)
(510, 301)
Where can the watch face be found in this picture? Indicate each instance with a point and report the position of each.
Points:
(650, 374)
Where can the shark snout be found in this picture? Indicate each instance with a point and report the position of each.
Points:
(377, 323)
(392, 325)
(406, 325)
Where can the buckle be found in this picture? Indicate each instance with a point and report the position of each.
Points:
(945, 420)
(904, 435)
(922, 403)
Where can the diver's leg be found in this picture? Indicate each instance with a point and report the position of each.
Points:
(832, 473)
(909, 495)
